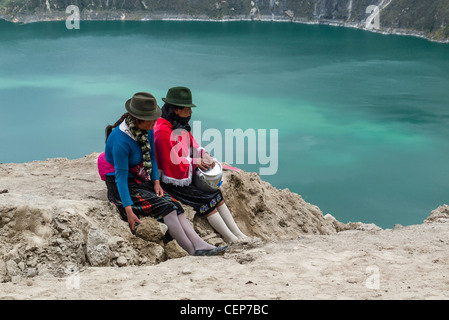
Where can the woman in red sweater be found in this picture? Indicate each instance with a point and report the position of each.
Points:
(178, 155)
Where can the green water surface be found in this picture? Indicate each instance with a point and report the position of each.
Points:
(362, 118)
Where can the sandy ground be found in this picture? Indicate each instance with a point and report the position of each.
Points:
(47, 208)
(406, 263)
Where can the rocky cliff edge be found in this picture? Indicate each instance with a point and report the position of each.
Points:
(54, 217)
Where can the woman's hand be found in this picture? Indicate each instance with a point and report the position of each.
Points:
(133, 221)
(207, 162)
(158, 189)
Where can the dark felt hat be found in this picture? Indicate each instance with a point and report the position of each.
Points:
(143, 106)
(179, 96)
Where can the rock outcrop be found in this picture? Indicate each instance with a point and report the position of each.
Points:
(421, 18)
(440, 214)
(55, 218)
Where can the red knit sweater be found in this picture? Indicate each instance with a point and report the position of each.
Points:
(175, 151)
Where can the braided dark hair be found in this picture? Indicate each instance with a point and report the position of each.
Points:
(109, 127)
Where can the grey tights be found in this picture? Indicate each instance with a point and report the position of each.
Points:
(182, 231)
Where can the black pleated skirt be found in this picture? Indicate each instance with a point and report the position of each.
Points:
(145, 200)
(203, 202)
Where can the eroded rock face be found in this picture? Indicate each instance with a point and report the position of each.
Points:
(440, 214)
(268, 213)
(413, 17)
(55, 219)
(97, 248)
(151, 230)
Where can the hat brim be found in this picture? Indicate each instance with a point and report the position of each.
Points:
(147, 117)
(191, 105)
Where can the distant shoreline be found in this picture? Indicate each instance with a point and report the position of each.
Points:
(120, 16)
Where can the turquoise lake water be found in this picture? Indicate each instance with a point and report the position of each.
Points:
(362, 118)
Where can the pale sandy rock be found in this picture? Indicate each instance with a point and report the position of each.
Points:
(51, 208)
(153, 252)
(55, 214)
(97, 248)
(151, 230)
(4, 276)
(121, 261)
(441, 214)
(174, 250)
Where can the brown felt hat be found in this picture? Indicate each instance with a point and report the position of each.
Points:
(143, 106)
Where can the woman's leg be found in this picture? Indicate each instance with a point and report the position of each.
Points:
(217, 222)
(197, 241)
(177, 232)
(229, 220)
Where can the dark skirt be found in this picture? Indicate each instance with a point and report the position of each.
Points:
(145, 201)
(203, 202)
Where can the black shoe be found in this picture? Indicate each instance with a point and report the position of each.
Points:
(211, 252)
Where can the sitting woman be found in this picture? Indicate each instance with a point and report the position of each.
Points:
(129, 168)
(178, 156)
